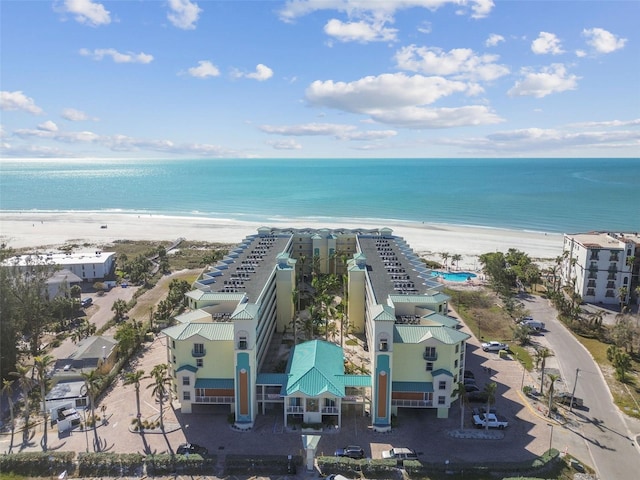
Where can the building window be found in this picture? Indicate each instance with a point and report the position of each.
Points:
(186, 396)
(442, 385)
(429, 366)
(174, 359)
(198, 350)
(199, 362)
(442, 400)
(242, 343)
(186, 381)
(312, 405)
(430, 353)
(625, 281)
(591, 292)
(457, 347)
(594, 255)
(455, 363)
(384, 345)
(329, 402)
(610, 294)
(173, 344)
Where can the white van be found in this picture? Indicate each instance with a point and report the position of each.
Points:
(400, 453)
(535, 325)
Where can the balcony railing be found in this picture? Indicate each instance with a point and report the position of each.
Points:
(214, 399)
(412, 403)
(333, 410)
(614, 258)
(593, 275)
(198, 353)
(295, 409)
(430, 356)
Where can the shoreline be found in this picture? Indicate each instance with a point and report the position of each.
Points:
(40, 229)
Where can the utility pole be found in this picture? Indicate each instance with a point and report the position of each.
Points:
(573, 393)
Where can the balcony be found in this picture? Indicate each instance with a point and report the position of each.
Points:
(430, 356)
(593, 275)
(295, 409)
(197, 353)
(331, 410)
(216, 400)
(412, 403)
(614, 258)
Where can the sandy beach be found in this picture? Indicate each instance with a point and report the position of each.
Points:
(44, 230)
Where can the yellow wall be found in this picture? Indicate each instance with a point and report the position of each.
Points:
(217, 361)
(409, 366)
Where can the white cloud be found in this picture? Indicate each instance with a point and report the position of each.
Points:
(339, 131)
(261, 74)
(425, 27)
(551, 79)
(493, 40)
(462, 63)
(611, 123)
(287, 144)
(358, 8)
(18, 101)
(361, 31)
(184, 14)
(86, 12)
(74, 115)
(581, 53)
(204, 69)
(118, 57)
(399, 100)
(603, 41)
(546, 43)
(48, 126)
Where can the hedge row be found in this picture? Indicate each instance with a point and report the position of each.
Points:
(259, 464)
(37, 463)
(378, 468)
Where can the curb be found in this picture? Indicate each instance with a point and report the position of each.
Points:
(536, 412)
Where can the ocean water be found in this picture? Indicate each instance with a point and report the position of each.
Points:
(549, 195)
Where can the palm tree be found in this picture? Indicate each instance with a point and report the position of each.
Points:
(461, 393)
(119, 307)
(133, 378)
(490, 390)
(23, 375)
(596, 318)
(455, 259)
(7, 391)
(159, 385)
(552, 378)
(42, 364)
(622, 296)
(445, 257)
(92, 384)
(295, 297)
(542, 355)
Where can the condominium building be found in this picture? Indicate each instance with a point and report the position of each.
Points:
(89, 266)
(599, 264)
(221, 351)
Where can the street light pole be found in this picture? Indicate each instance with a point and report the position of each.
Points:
(573, 393)
(550, 437)
(86, 431)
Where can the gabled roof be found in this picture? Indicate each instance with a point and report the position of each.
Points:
(435, 299)
(316, 367)
(442, 371)
(91, 347)
(436, 319)
(382, 313)
(420, 333)
(200, 295)
(246, 311)
(209, 331)
(189, 368)
(193, 316)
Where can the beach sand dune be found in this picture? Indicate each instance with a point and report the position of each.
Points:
(49, 230)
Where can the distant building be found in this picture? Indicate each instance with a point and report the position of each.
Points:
(219, 352)
(89, 266)
(598, 264)
(60, 283)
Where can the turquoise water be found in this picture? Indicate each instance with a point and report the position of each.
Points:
(551, 195)
(456, 276)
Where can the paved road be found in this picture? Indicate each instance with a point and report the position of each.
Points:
(600, 425)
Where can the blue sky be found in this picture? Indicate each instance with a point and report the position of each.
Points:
(319, 78)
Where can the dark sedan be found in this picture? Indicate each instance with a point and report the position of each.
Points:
(191, 449)
(351, 451)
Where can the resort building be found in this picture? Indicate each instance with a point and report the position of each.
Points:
(601, 265)
(89, 266)
(222, 350)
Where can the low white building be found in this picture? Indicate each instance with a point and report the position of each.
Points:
(89, 266)
(598, 264)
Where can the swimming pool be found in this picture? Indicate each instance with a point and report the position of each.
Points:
(456, 276)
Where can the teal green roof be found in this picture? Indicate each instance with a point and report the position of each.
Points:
(382, 313)
(412, 386)
(190, 368)
(442, 371)
(193, 316)
(210, 331)
(246, 311)
(199, 295)
(438, 319)
(316, 367)
(420, 333)
(271, 379)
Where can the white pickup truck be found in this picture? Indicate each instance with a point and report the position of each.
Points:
(481, 421)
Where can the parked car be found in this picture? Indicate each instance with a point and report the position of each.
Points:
(400, 453)
(565, 399)
(351, 451)
(469, 381)
(535, 325)
(191, 449)
(469, 374)
(471, 387)
(480, 397)
(491, 419)
(483, 410)
(86, 302)
(494, 346)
